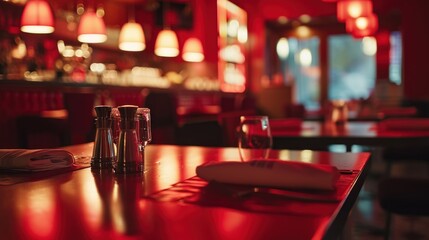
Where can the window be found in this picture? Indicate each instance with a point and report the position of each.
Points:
(395, 67)
(301, 70)
(352, 67)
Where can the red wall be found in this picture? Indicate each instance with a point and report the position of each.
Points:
(415, 29)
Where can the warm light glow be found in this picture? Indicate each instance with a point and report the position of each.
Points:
(91, 28)
(232, 53)
(242, 34)
(283, 48)
(166, 44)
(20, 50)
(303, 31)
(131, 37)
(361, 23)
(97, 67)
(233, 26)
(37, 18)
(363, 26)
(353, 8)
(369, 46)
(35, 205)
(282, 20)
(61, 46)
(305, 18)
(305, 57)
(193, 50)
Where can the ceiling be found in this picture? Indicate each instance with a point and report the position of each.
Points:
(116, 11)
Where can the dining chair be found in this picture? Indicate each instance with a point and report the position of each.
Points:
(403, 196)
(164, 118)
(229, 121)
(406, 152)
(36, 131)
(200, 133)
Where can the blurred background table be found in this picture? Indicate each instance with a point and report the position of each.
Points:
(320, 135)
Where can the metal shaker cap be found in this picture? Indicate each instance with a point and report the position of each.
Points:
(103, 116)
(103, 111)
(128, 114)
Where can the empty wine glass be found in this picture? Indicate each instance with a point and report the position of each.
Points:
(116, 126)
(144, 126)
(254, 138)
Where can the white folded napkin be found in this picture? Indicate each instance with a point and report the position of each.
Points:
(34, 159)
(272, 173)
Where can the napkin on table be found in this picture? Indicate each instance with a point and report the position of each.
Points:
(272, 173)
(34, 159)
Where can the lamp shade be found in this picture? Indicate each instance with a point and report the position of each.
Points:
(37, 17)
(353, 9)
(363, 26)
(131, 37)
(193, 50)
(91, 28)
(166, 44)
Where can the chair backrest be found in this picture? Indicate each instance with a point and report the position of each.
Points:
(163, 113)
(80, 107)
(397, 112)
(229, 122)
(405, 124)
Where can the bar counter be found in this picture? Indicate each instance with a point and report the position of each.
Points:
(70, 105)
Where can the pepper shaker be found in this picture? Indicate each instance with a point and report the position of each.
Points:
(103, 153)
(129, 158)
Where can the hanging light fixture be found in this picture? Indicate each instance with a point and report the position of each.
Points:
(91, 28)
(362, 26)
(131, 37)
(353, 8)
(37, 17)
(166, 44)
(193, 50)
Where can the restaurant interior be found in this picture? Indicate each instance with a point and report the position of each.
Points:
(300, 60)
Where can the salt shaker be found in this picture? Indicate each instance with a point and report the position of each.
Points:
(103, 153)
(129, 158)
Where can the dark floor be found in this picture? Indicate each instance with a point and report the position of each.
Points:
(367, 221)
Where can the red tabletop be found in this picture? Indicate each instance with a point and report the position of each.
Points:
(165, 202)
(314, 134)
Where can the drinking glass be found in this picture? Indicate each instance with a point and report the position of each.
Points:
(254, 138)
(144, 126)
(116, 126)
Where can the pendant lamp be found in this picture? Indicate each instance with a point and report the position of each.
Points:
(193, 50)
(353, 8)
(131, 37)
(91, 28)
(362, 26)
(37, 17)
(166, 44)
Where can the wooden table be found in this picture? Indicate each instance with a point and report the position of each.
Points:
(319, 135)
(83, 204)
